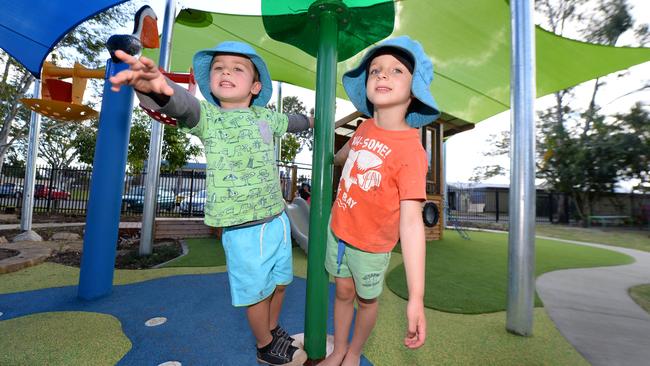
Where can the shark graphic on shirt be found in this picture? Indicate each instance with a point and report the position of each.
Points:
(360, 169)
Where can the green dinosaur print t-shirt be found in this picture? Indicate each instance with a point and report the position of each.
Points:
(242, 182)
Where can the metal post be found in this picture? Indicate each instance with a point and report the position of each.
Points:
(321, 202)
(278, 140)
(550, 207)
(107, 181)
(191, 198)
(445, 195)
(155, 142)
(521, 241)
(50, 184)
(30, 168)
(496, 197)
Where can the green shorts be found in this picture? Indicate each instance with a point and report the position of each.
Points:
(366, 269)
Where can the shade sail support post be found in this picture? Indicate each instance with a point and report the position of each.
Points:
(521, 239)
(327, 13)
(156, 142)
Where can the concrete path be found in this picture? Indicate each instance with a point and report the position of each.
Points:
(593, 310)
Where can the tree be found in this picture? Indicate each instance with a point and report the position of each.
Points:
(292, 144)
(57, 146)
(177, 148)
(583, 152)
(290, 147)
(84, 44)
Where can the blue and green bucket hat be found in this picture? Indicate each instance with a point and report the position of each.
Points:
(423, 109)
(202, 60)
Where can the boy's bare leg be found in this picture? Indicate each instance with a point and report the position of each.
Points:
(258, 319)
(343, 313)
(365, 322)
(276, 306)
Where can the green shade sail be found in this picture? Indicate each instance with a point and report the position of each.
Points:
(360, 23)
(468, 42)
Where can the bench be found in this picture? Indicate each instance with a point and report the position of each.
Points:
(604, 220)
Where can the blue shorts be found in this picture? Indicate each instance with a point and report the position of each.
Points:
(258, 258)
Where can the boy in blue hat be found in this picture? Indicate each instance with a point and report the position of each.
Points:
(243, 187)
(380, 194)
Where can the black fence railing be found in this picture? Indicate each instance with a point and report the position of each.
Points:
(181, 193)
(491, 205)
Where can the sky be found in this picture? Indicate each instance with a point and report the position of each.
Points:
(466, 150)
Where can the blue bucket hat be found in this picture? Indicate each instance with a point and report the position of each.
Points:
(203, 59)
(423, 109)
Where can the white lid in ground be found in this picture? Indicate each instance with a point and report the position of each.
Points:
(155, 321)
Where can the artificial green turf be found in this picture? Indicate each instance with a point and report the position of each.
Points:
(461, 339)
(641, 294)
(62, 338)
(471, 276)
(453, 339)
(203, 252)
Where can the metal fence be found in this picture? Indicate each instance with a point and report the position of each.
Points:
(181, 193)
(486, 205)
(492, 205)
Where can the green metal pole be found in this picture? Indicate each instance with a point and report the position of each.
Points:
(321, 203)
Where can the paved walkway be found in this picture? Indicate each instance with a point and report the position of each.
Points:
(593, 310)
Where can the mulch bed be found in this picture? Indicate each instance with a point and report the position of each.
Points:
(8, 253)
(127, 254)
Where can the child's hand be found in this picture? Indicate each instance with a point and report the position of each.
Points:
(143, 75)
(417, 324)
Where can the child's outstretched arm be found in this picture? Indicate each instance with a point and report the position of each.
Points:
(413, 251)
(155, 91)
(143, 75)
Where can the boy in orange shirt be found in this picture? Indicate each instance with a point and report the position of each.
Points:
(380, 195)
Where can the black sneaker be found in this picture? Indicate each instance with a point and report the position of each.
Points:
(281, 352)
(278, 331)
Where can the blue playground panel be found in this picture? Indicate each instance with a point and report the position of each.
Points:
(202, 327)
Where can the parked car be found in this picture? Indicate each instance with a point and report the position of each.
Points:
(53, 193)
(197, 202)
(181, 196)
(133, 199)
(11, 190)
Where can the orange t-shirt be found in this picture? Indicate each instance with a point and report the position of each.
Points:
(383, 168)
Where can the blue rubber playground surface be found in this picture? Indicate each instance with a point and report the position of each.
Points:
(202, 327)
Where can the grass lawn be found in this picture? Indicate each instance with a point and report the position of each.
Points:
(641, 294)
(620, 237)
(453, 339)
(471, 276)
(203, 252)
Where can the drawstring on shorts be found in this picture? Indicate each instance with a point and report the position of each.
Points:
(284, 235)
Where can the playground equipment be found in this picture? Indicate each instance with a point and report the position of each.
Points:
(62, 100)
(298, 212)
(484, 87)
(455, 223)
(177, 78)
